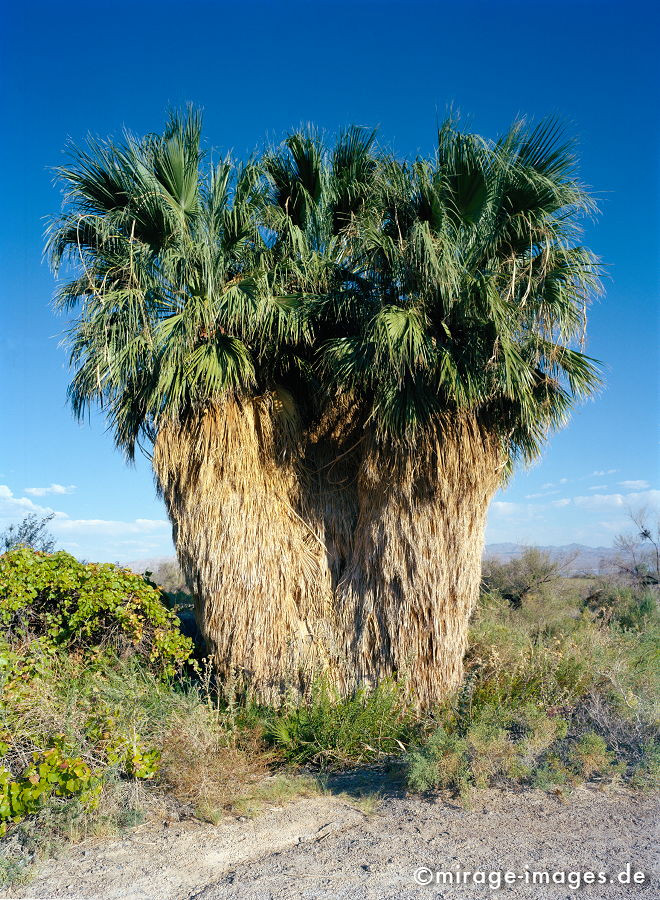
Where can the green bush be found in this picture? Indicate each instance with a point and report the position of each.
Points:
(86, 608)
(65, 628)
(498, 743)
(54, 771)
(334, 732)
(521, 576)
(629, 608)
(646, 773)
(60, 737)
(441, 762)
(590, 756)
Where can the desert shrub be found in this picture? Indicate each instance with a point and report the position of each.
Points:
(499, 744)
(552, 695)
(589, 755)
(206, 765)
(516, 660)
(626, 606)
(645, 774)
(553, 775)
(521, 576)
(334, 732)
(440, 762)
(86, 608)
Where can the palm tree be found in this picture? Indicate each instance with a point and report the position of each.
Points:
(190, 334)
(459, 354)
(333, 359)
(315, 197)
(180, 340)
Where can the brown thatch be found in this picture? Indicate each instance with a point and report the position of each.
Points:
(257, 568)
(413, 576)
(361, 564)
(331, 462)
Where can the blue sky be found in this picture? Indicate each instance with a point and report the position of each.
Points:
(260, 68)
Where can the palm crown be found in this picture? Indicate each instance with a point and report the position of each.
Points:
(192, 286)
(470, 292)
(169, 284)
(419, 289)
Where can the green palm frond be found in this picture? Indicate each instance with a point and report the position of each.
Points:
(453, 284)
(477, 287)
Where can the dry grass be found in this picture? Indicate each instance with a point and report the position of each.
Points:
(214, 772)
(275, 791)
(204, 768)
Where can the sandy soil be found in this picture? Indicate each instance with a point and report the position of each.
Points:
(324, 848)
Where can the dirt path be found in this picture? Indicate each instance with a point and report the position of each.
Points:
(326, 849)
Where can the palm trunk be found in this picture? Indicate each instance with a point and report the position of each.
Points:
(257, 570)
(413, 578)
(331, 465)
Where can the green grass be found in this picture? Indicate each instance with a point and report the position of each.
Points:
(334, 733)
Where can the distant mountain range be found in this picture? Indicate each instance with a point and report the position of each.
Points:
(580, 558)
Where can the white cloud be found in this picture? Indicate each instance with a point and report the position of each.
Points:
(618, 501)
(108, 527)
(563, 502)
(600, 472)
(598, 487)
(541, 494)
(93, 539)
(52, 489)
(553, 484)
(639, 485)
(504, 508)
(17, 507)
(599, 501)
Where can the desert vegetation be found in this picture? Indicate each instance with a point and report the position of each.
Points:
(109, 718)
(333, 358)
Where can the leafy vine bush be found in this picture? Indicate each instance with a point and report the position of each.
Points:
(58, 618)
(87, 608)
(39, 765)
(55, 771)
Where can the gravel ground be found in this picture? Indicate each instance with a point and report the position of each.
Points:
(327, 849)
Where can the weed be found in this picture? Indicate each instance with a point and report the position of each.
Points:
(333, 732)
